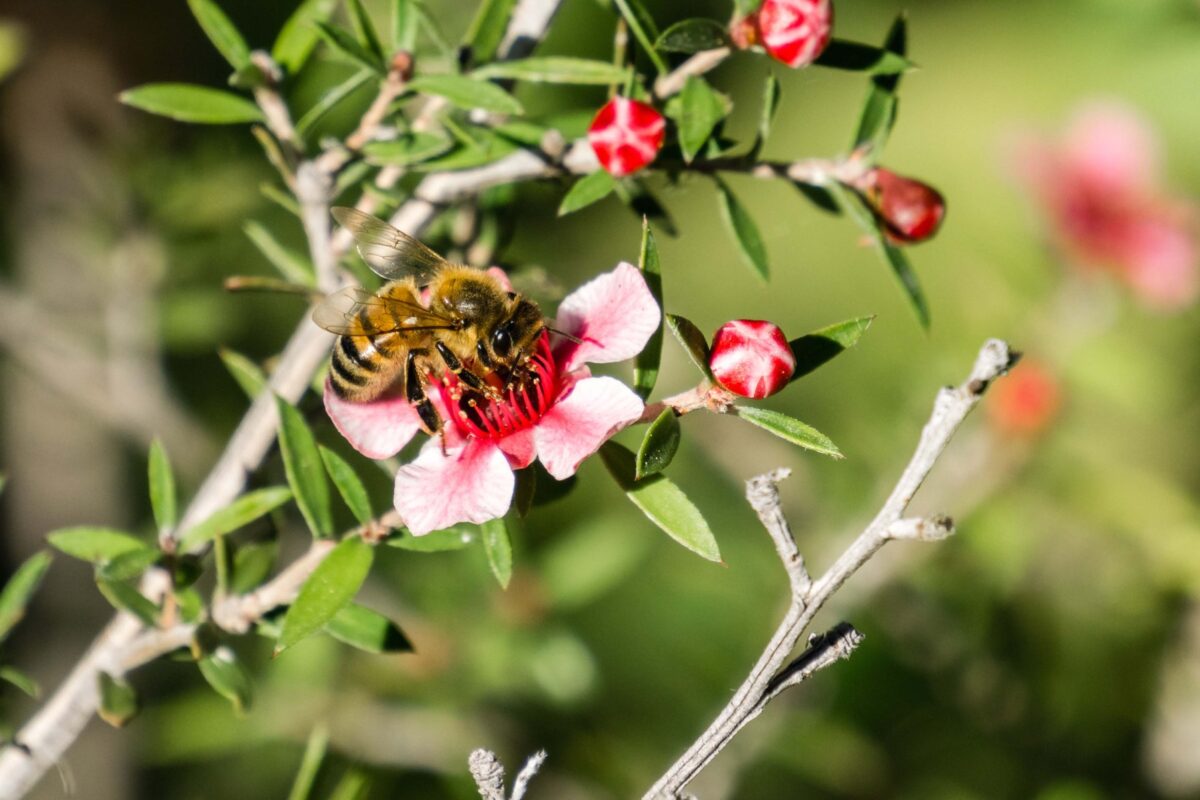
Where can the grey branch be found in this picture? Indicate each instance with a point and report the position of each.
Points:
(488, 773)
(770, 676)
(532, 765)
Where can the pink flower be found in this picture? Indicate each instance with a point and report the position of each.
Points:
(626, 135)
(1100, 187)
(751, 358)
(561, 418)
(795, 32)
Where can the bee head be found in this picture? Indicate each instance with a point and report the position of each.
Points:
(518, 333)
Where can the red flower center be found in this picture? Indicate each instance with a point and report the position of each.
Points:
(522, 396)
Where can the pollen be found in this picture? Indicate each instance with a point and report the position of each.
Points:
(527, 394)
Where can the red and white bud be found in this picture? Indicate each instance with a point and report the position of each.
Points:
(626, 135)
(910, 210)
(795, 32)
(751, 358)
(1026, 401)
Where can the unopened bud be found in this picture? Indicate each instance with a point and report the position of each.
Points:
(911, 211)
(402, 65)
(751, 358)
(794, 32)
(626, 135)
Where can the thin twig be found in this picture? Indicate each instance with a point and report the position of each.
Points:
(488, 773)
(700, 63)
(521, 784)
(769, 676)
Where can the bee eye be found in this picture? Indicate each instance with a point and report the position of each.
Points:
(501, 341)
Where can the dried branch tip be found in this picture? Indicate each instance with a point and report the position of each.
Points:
(995, 359)
(526, 774)
(921, 529)
(823, 650)
(762, 491)
(488, 773)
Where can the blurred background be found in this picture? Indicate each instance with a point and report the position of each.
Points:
(1049, 650)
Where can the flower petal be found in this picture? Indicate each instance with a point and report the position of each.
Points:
(519, 447)
(378, 429)
(579, 423)
(614, 314)
(473, 484)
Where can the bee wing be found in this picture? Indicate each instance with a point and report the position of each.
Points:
(340, 313)
(389, 252)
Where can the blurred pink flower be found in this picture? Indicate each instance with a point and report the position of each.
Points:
(1101, 188)
(560, 418)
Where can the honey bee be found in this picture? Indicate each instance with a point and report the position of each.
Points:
(468, 325)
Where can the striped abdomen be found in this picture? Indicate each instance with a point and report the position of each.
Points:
(365, 365)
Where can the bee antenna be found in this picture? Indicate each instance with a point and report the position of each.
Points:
(574, 339)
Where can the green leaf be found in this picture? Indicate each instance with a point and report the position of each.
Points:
(498, 548)
(348, 484)
(354, 785)
(744, 231)
(128, 566)
(221, 32)
(305, 470)
(766, 115)
(820, 197)
(188, 103)
(404, 25)
(252, 563)
(19, 589)
(789, 429)
(879, 112)
(641, 24)
(487, 29)
(94, 544)
(299, 35)
(310, 763)
(410, 148)
(118, 702)
(658, 445)
(242, 511)
(814, 349)
(435, 541)
(646, 363)
(364, 30)
(858, 57)
(248, 375)
(662, 502)
(327, 591)
(691, 339)
(291, 265)
(468, 93)
(700, 109)
(367, 630)
(343, 43)
(331, 99)
(20, 680)
(692, 36)
(555, 69)
(124, 597)
(487, 147)
(162, 487)
(225, 674)
(591, 188)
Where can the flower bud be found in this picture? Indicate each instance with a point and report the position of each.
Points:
(751, 358)
(795, 32)
(1026, 401)
(626, 135)
(910, 210)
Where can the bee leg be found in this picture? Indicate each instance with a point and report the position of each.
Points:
(481, 355)
(464, 374)
(414, 392)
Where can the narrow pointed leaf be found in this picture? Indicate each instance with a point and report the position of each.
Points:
(242, 511)
(879, 112)
(118, 702)
(498, 547)
(691, 339)
(327, 591)
(814, 349)
(125, 597)
(221, 32)
(789, 429)
(367, 630)
(692, 36)
(820, 197)
(858, 57)
(658, 445)
(411, 148)
(305, 469)
(342, 42)
(700, 109)
(310, 763)
(364, 29)
(435, 541)
(162, 487)
(128, 566)
(404, 25)
(248, 375)
(226, 675)
(348, 484)
(643, 28)
(299, 35)
(188, 103)
(252, 563)
(94, 544)
(766, 115)
(468, 93)
(487, 29)
(19, 589)
(20, 680)
(555, 69)
(647, 362)
(354, 785)
(662, 502)
(744, 231)
(591, 188)
(331, 99)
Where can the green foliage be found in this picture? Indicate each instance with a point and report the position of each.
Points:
(17, 678)
(468, 92)
(555, 69)
(498, 546)
(789, 429)
(591, 188)
(347, 46)
(248, 375)
(367, 630)
(240, 512)
(691, 340)
(310, 763)
(162, 488)
(348, 484)
(94, 544)
(329, 589)
(118, 702)
(305, 469)
(817, 348)
(641, 24)
(411, 148)
(221, 32)
(298, 36)
(187, 103)
(291, 265)
(646, 363)
(435, 541)
(744, 231)
(487, 28)
(858, 57)
(692, 36)
(19, 589)
(124, 597)
(228, 677)
(659, 445)
(700, 109)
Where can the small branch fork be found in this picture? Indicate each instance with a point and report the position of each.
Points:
(488, 774)
(773, 673)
